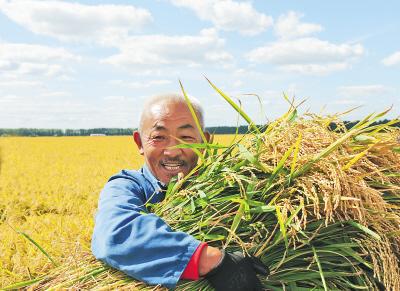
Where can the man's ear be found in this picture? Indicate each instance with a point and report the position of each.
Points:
(209, 138)
(138, 141)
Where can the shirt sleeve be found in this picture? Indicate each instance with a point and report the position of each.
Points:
(191, 271)
(138, 243)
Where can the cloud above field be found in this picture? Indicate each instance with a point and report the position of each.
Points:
(19, 59)
(297, 51)
(307, 55)
(45, 110)
(229, 15)
(376, 90)
(158, 50)
(392, 60)
(88, 56)
(71, 21)
(14, 83)
(288, 26)
(140, 85)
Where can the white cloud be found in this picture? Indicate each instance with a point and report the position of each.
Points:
(31, 53)
(8, 98)
(145, 51)
(73, 21)
(56, 94)
(347, 102)
(18, 59)
(229, 15)
(289, 26)
(393, 59)
(364, 90)
(139, 85)
(45, 111)
(315, 69)
(114, 98)
(237, 84)
(307, 55)
(19, 83)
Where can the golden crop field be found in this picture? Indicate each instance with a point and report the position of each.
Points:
(49, 188)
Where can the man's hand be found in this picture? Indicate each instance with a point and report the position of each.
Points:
(236, 272)
(210, 257)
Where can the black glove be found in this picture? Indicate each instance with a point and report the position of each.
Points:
(236, 272)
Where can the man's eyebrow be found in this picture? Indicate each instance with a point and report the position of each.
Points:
(186, 126)
(159, 127)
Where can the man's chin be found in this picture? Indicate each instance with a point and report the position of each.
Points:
(168, 174)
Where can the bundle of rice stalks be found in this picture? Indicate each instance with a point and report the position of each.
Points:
(320, 207)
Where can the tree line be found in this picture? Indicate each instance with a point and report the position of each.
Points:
(128, 131)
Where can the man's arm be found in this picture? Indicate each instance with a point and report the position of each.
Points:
(138, 243)
(143, 246)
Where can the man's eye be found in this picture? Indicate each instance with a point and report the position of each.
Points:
(158, 137)
(188, 138)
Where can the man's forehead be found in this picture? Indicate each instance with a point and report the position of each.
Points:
(159, 115)
(168, 107)
(160, 125)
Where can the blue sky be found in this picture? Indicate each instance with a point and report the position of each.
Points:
(84, 64)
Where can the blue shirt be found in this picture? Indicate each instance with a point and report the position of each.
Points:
(134, 241)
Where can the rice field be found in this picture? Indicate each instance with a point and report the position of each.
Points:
(319, 207)
(49, 188)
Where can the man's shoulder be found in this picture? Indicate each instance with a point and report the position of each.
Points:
(127, 181)
(137, 182)
(126, 174)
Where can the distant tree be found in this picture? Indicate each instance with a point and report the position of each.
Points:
(242, 129)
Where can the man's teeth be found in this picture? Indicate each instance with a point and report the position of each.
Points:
(173, 167)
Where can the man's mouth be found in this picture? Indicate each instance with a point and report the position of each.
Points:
(173, 166)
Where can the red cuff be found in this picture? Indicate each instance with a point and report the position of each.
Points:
(192, 269)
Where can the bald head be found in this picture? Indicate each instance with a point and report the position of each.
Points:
(154, 103)
(165, 122)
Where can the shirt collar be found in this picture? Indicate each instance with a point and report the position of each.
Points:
(157, 185)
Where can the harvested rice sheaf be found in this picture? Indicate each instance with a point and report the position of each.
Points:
(302, 194)
(320, 207)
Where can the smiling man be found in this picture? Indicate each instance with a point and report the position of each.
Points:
(129, 238)
(162, 122)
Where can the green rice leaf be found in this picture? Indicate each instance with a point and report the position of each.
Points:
(365, 139)
(184, 145)
(246, 154)
(298, 208)
(292, 117)
(38, 246)
(364, 229)
(282, 225)
(236, 221)
(213, 237)
(202, 194)
(236, 107)
(380, 127)
(192, 205)
(279, 167)
(22, 284)
(194, 115)
(321, 272)
(356, 158)
(295, 156)
(263, 209)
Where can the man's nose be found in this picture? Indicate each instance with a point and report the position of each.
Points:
(171, 150)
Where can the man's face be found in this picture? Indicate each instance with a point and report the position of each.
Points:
(162, 124)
